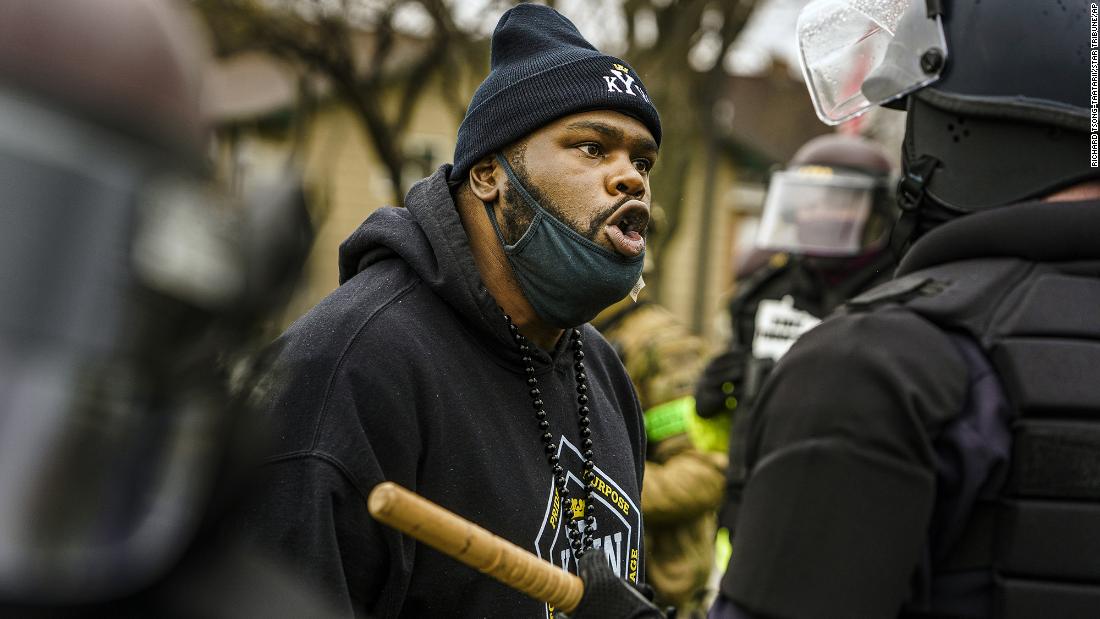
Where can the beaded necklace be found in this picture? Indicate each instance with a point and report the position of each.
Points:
(580, 541)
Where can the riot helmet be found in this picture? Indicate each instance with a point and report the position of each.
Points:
(832, 200)
(125, 278)
(996, 92)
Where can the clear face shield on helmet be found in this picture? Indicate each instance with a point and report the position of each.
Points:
(856, 54)
(818, 211)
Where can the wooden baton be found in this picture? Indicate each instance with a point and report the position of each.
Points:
(463, 540)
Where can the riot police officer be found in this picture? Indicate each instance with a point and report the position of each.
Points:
(828, 216)
(932, 450)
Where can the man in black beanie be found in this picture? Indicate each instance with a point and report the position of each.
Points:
(455, 358)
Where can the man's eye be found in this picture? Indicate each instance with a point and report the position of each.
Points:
(592, 150)
(642, 165)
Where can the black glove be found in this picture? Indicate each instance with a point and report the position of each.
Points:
(606, 596)
(717, 389)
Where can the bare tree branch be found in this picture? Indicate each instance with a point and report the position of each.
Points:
(326, 43)
(362, 65)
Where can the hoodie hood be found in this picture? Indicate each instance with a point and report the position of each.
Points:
(428, 236)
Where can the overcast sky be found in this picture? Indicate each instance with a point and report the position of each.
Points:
(769, 33)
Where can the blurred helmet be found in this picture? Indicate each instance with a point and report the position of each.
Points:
(996, 91)
(124, 278)
(132, 65)
(832, 200)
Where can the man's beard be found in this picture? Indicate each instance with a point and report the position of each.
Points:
(518, 214)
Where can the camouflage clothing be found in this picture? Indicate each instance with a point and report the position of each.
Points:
(683, 485)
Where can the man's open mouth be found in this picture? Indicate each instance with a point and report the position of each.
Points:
(626, 228)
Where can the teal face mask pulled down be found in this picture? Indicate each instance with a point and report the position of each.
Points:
(567, 278)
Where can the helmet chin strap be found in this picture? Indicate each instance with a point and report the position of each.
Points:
(911, 194)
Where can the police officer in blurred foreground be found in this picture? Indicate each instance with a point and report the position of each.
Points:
(126, 281)
(934, 449)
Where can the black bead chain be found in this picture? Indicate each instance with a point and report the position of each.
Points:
(580, 542)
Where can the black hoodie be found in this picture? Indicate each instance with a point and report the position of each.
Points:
(407, 372)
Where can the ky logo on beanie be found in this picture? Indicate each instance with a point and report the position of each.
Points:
(622, 74)
(541, 69)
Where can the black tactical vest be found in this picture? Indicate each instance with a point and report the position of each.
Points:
(810, 294)
(1038, 325)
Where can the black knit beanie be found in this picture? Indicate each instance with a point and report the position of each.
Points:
(542, 69)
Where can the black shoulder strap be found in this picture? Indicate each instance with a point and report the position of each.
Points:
(960, 296)
(894, 291)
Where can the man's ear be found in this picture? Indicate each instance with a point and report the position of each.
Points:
(486, 179)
